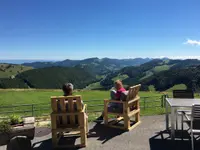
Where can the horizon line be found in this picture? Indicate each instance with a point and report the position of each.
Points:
(159, 57)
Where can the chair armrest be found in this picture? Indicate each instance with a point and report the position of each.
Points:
(134, 100)
(84, 108)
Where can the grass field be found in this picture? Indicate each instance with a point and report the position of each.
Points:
(94, 100)
(150, 102)
(8, 97)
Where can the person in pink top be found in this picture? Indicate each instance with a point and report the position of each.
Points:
(115, 94)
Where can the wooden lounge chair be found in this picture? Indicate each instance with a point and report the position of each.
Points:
(68, 118)
(130, 108)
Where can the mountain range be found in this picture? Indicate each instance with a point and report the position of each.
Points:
(161, 74)
(95, 73)
(96, 65)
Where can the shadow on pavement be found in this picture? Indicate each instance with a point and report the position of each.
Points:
(47, 144)
(104, 133)
(100, 131)
(162, 141)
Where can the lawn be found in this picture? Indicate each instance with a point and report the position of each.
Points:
(94, 100)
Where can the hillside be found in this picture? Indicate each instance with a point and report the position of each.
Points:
(163, 74)
(95, 65)
(11, 70)
(94, 73)
(47, 78)
(167, 79)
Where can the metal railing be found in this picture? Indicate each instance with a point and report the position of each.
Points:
(43, 109)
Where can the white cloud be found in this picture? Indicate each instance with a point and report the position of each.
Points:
(192, 42)
(184, 57)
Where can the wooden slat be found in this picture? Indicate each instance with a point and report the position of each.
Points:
(135, 125)
(54, 105)
(134, 100)
(117, 120)
(64, 114)
(133, 112)
(79, 104)
(71, 109)
(112, 113)
(67, 129)
(118, 127)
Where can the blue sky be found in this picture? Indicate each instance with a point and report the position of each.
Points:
(77, 29)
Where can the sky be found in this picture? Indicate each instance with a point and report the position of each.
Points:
(78, 29)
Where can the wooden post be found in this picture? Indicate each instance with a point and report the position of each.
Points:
(126, 117)
(54, 138)
(144, 103)
(53, 121)
(32, 110)
(105, 113)
(137, 117)
(83, 129)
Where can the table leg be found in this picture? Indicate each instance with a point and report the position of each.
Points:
(166, 115)
(172, 123)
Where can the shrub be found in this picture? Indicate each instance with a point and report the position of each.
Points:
(15, 119)
(5, 127)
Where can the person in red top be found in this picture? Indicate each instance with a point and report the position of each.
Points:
(115, 94)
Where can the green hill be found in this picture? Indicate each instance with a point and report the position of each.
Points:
(190, 77)
(161, 74)
(49, 78)
(11, 70)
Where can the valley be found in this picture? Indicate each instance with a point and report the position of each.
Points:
(99, 74)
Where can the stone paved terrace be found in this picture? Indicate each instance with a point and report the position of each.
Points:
(147, 136)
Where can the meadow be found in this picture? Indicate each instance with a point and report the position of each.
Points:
(8, 97)
(150, 102)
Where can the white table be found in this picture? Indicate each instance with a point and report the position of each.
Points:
(175, 103)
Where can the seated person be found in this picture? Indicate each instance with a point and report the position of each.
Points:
(118, 94)
(68, 91)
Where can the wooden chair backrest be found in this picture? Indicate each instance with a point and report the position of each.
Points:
(133, 92)
(66, 103)
(183, 94)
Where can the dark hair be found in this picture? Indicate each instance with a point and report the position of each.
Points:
(67, 89)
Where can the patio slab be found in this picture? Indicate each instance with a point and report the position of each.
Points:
(149, 135)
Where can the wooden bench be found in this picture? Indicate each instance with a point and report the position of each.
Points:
(68, 118)
(130, 108)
